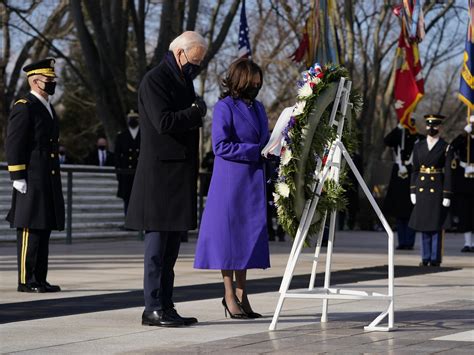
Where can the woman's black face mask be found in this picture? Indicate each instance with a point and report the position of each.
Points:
(251, 92)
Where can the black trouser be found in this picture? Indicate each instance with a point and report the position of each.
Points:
(32, 251)
(161, 252)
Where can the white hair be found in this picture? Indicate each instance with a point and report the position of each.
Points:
(188, 40)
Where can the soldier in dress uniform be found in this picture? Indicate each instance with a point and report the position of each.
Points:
(127, 148)
(431, 190)
(463, 187)
(397, 201)
(32, 155)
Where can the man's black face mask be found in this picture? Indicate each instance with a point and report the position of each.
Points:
(433, 131)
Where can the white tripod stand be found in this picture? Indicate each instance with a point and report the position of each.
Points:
(332, 170)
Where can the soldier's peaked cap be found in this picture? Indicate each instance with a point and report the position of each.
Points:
(434, 119)
(42, 67)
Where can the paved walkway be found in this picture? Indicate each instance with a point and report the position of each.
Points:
(99, 310)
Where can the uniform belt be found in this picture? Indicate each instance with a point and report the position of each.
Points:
(430, 171)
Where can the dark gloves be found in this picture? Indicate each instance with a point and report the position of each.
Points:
(200, 104)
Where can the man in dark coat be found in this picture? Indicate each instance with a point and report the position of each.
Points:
(397, 201)
(127, 149)
(463, 184)
(164, 195)
(32, 154)
(101, 156)
(431, 190)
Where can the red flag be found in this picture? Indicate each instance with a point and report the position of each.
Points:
(409, 83)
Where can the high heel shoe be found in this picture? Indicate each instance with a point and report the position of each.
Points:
(242, 315)
(251, 314)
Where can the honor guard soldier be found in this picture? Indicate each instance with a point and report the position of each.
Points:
(397, 201)
(431, 190)
(32, 156)
(463, 186)
(127, 148)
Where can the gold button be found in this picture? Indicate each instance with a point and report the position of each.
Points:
(52, 155)
(129, 166)
(129, 158)
(51, 140)
(53, 172)
(422, 166)
(433, 167)
(138, 150)
(421, 189)
(431, 190)
(432, 178)
(130, 149)
(422, 178)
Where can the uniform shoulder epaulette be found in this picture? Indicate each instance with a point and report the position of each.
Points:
(21, 101)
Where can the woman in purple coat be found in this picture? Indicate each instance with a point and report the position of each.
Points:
(233, 234)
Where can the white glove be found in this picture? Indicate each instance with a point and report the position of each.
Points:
(20, 186)
(399, 125)
(446, 202)
(469, 169)
(468, 128)
(402, 171)
(413, 198)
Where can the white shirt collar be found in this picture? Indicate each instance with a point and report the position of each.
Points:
(46, 103)
(431, 141)
(133, 131)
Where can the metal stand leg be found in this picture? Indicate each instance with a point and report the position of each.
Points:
(327, 273)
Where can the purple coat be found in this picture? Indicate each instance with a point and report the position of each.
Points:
(233, 233)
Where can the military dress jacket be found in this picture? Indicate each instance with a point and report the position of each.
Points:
(431, 182)
(32, 154)
(164, 193)
(397, 200)
(127, 150)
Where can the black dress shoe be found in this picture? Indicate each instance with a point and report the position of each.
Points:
(465, 249)
(31, 288)
(435, 263)
(160, 319)
(186, 320)
(424, 263)
(50, 288)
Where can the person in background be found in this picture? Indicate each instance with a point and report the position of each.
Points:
(127, 149)
(463, 184)
(233, 233)
(101, 156)
(271, 166)
(31, 148)
(397, 201)
(64, 158)
(163, 202)
(430, 190)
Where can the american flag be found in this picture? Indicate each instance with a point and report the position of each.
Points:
(244, 43)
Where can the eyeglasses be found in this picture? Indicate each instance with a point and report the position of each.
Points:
(185, 56)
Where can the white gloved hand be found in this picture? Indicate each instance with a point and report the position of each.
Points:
(413, 198)
(20, 186)
(468, 128)
(400, 126)
(402, 171)
(446, 202)
(469, 169)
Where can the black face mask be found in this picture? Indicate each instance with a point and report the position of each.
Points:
(49, 87)
(62, 153)
(251, 92)
(191, 70)
(101, 147)
(133, 122)
(433, 131)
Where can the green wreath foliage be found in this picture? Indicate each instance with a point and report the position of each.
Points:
(296, 139)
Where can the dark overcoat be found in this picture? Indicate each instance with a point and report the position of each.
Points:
(127, 150)
(32, 154)
(397, 200)
(431, 182)
(463, 187)
(164, 196)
